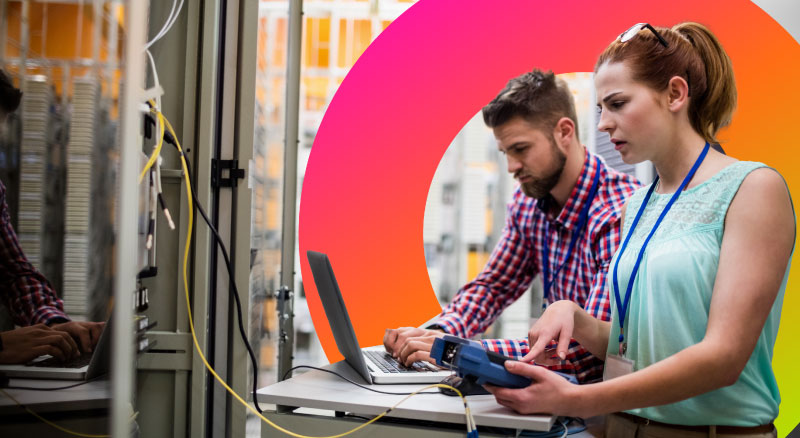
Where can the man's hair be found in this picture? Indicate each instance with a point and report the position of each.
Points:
(538, 97)
(10, 96)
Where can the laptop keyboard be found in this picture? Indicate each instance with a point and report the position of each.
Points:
(79, 362)
(388, 364)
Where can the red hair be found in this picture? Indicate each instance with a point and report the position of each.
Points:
(693, 53)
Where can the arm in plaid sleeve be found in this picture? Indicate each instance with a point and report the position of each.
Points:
(513, 348)
(27, 294)
(605, 240)
(586, 367)
(579, 362)
(507, 275)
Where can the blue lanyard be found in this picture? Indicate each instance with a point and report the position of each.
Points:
(622, 308)
(582, 219)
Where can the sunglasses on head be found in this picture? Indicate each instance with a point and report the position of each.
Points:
(634, 30)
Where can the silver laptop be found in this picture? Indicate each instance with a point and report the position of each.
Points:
(84, 367)
(374, 364)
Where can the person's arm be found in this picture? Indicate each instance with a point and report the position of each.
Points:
(593, 325)
(514, 348)
(759, 234)
(506, 276)
(573, 328)
(27, 292)
(562, 322)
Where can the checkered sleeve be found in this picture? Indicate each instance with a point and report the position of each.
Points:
(579, 362)
(605, 239)
(26, 292)
(507, 275)
(513, 348)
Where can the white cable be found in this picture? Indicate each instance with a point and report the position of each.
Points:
(164, 26)
(168, 24)
(158, 174)
(158, 189)
(155, 82)
(153, 209)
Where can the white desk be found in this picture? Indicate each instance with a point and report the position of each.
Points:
(82, 409)
(435, 414)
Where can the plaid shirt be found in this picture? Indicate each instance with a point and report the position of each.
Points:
(27, 294)
(517, 259)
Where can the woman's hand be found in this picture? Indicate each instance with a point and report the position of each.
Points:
(557, 324)
(548, 392)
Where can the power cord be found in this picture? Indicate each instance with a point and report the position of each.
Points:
(31, 388)
(354, 383)
(170, 138)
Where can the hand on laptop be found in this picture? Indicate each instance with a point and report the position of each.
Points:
(27, 343)
(410, 344)
(85, 333)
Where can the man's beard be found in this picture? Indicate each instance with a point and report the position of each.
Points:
(540, 187)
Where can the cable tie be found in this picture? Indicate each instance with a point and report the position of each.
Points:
(153, 93)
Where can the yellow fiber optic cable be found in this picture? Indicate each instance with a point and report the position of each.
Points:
(470, 420)
(157, 150)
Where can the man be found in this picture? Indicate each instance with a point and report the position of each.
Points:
(45, 328)
(563, 222)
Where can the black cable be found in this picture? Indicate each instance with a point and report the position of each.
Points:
(354, 383)
(56, 388)
(218, 240)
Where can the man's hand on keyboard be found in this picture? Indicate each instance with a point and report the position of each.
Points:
(27, 343)
(85, 333)
(410, 344)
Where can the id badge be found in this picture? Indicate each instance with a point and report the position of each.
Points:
(617, 366)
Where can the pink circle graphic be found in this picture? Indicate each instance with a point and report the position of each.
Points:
(398, 109)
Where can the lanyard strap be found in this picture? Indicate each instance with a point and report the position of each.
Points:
(582, 219)
(622, 308)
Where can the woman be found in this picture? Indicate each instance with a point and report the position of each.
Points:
(698, 283)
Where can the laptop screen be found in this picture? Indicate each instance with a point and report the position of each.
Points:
(336, 312)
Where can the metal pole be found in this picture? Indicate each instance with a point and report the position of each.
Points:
(286, 293)
(97, 32)
(79, 38)
(43, 47)
(111, 61)
(23, 52)
(127, 205)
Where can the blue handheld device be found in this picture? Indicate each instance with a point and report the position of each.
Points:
(470, 361)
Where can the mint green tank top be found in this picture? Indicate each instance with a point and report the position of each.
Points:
(671, 297)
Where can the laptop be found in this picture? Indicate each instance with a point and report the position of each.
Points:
(84, 367)
(374, 364)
